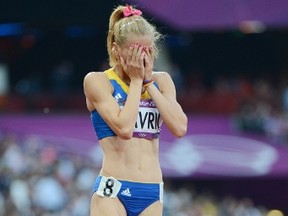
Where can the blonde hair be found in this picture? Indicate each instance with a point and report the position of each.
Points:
(120, 27)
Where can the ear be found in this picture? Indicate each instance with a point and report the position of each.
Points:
(115, 48)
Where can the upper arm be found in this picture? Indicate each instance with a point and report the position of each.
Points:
(98, 92)
(96, 88)
(170, 110)
(166, 85)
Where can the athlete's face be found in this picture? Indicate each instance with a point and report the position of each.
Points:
(122, 50)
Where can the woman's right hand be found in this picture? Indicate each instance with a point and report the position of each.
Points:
(134, 64)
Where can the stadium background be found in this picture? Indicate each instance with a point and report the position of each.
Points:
(229, 61)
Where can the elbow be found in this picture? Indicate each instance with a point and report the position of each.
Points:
(181, 128)
(180, 131)
(125, 133)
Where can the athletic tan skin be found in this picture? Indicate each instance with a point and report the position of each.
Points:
(126, 157)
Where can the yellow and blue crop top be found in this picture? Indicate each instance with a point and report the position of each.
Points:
(148, 121)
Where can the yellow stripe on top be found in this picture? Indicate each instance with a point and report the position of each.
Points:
(110, 73)
(113, 76)
(145, 95)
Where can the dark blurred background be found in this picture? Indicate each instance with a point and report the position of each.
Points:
(47, 48)
(229, 62)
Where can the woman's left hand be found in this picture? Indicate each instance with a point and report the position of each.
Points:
(148, 62)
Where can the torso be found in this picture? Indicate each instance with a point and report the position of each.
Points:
(135, 159)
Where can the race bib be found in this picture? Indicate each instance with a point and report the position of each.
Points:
(148, 121)
(108, 187)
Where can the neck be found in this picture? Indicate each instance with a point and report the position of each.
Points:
(122, 75)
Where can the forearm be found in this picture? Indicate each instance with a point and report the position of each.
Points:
(170, 111)
(128, 114)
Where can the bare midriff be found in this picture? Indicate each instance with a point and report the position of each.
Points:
(135, 159)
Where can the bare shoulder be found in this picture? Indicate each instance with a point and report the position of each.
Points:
(94, 76)
(93, 81)
(161, 76)
(160, 73)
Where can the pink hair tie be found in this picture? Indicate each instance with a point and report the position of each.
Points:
(129, 11)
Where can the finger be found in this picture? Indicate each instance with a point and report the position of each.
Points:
(147, 51)
(130, 54)
(143, 57)
(135, 51)
(139, 53)
(146, 59)
(143, 64)
(149, 56)
(151, 52)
